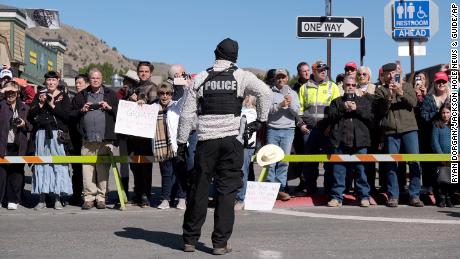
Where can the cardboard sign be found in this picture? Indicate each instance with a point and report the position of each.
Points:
(136, 120)
(261, 195)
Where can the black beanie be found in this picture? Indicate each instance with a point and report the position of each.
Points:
(227, 50)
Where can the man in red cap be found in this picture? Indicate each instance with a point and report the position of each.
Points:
(350, 69)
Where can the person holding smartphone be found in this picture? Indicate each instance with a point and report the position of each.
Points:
(395, 103)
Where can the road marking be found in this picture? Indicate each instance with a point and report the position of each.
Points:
(268, 254)
(347, 217)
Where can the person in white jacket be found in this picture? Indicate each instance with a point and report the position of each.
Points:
(165, 148)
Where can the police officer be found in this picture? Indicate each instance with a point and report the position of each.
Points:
(217, 96)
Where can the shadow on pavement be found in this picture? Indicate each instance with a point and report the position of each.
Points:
(451, 213)
(165, 239)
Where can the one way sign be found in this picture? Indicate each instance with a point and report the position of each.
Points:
(329, 27)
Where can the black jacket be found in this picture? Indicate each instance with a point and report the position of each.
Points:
(41, 116)
(351, 129)
(6, 113)
(81, 99)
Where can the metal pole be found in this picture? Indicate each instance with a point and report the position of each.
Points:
(362, 46)
(412, 58)
(329, 41)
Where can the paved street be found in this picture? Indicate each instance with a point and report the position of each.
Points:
(151, 233)
(290, 232)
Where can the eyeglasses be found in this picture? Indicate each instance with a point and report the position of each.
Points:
(348, 84)
(362, 74)
(164, 93)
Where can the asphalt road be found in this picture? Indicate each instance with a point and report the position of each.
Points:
(290, 232)
(153, 233)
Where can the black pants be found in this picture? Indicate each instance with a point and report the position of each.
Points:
(142, 172)
(11, 178)
(221, 159)
(77, 173)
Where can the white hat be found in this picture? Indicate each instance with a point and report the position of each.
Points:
(131, 74)
(269, 154)
(6, 72)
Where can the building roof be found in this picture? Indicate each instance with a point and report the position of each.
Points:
(12, 8)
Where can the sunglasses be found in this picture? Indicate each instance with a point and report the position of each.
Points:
(164, 93)
(362, 74)
(349, 69)
(354, 85)
(441, 82)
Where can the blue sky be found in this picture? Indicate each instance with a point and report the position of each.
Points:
(187, 32)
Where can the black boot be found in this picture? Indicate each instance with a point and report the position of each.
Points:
(441, 201)
(125, 184)
(449, 202)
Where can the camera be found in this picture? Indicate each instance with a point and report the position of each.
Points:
(348, 96)
(398, 78)
(137, 91)
(15, 122)
(94, 106)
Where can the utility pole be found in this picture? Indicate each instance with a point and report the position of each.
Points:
(329, 41)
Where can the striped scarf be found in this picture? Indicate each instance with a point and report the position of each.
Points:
(162, 149)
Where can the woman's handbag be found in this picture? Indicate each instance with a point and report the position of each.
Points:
(443, 173)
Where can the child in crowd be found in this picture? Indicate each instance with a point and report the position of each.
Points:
(249, 111)
(440, 142)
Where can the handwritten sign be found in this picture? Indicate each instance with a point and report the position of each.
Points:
(136, 120)
(260, 195)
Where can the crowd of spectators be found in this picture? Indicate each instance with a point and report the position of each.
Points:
(315, 115)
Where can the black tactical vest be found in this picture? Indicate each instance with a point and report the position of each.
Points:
(220, 94)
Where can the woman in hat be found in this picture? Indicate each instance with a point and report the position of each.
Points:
(13, 142)
(49, 113)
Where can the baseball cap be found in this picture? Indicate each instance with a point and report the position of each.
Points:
(351, 64)
(440, 76)
(319, 65)
(281, 71)
(6, 72)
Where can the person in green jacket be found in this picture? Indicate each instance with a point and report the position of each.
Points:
(395, 104)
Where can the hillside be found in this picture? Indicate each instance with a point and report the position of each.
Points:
(84, 48)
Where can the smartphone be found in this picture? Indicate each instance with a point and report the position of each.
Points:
(180, 81)
(398, 78)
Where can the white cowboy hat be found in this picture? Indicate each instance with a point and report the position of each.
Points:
(269, 154)
(131, 74)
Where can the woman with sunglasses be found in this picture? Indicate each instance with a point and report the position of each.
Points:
(13, 142)
(165, 148)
